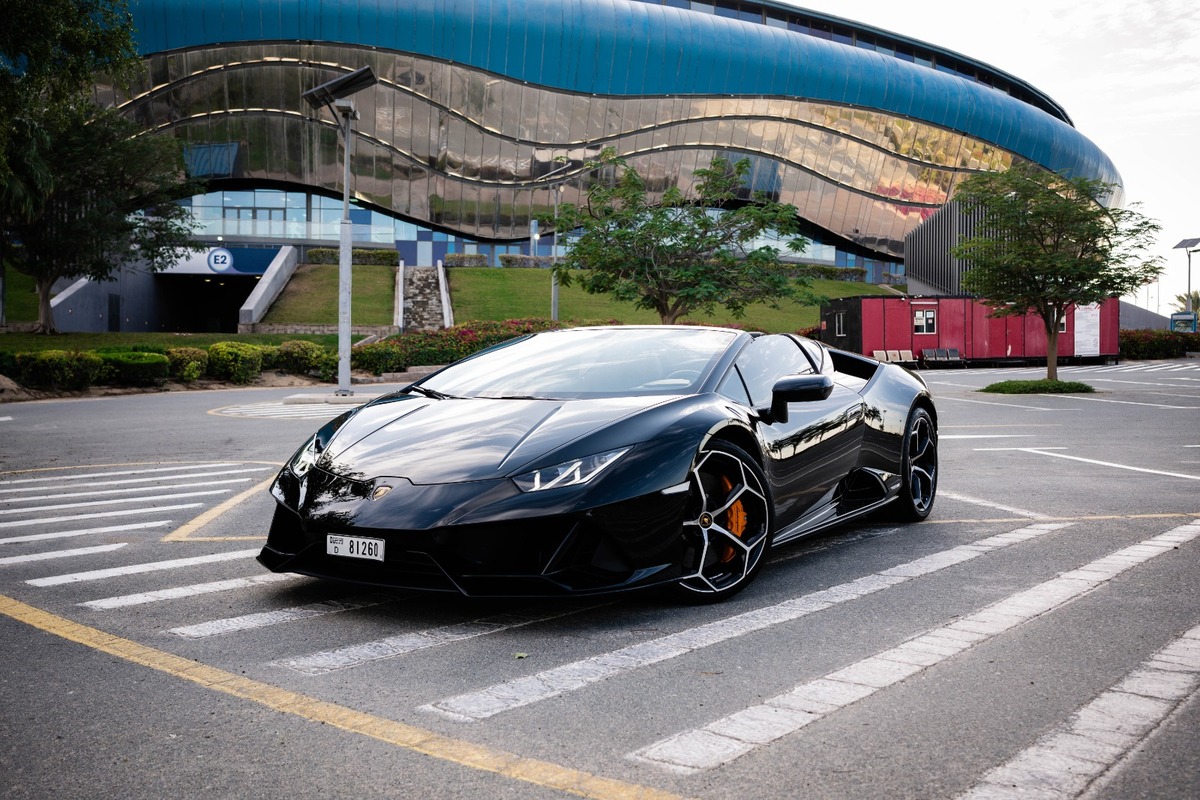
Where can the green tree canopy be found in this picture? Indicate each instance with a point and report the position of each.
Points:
(111, 204)
(50, 53)
(682, 254)
(1181, 301)
(1046, 242)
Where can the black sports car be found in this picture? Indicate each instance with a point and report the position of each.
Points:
(602, 459)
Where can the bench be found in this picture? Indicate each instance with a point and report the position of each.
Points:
(950, 357)
(904, 358)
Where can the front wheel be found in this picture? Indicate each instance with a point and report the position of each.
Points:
(727, 527)
(919, 466)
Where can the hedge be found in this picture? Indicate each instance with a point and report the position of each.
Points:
(58, 369)
(187, 363)
(300, 357)
(331, 255)
(135, 368)
(522, 261)
(1148, 344)
(465, 260)
(402, 351)
(235, 362)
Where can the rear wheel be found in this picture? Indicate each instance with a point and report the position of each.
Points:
(918, 468)
(727, 526)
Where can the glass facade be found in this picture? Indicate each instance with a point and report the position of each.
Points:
(456, 145)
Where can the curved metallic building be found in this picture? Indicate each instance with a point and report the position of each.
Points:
(480, 103)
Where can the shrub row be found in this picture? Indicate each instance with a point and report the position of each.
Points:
(236, 362)
(1146, 344)
(465, 260)
(402, 351)
(331, 255)
(853, 274)
(522, 261)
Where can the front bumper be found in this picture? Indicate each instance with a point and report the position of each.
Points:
(479, 539)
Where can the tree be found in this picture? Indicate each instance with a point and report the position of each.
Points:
(112, 203)
(1047, 241)
(1181, 301)
(50, 51)
(683, 254)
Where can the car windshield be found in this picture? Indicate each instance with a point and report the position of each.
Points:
(587, 363)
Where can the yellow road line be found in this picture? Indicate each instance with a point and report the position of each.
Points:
(409, 737)
(184, 532)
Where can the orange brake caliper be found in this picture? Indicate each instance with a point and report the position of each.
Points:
(735, 520)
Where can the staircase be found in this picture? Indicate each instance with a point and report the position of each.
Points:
(422, 299)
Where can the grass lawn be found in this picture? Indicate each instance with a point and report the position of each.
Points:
(311, 296)
(489, 293)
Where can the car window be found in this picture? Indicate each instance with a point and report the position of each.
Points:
(767, 359)
(818, 356)
(731, 386)
(588, 363)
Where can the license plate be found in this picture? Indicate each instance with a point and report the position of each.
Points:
(354, 547)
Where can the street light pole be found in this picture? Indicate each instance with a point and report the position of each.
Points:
(556, 189)
(334, 95)
(346, 113)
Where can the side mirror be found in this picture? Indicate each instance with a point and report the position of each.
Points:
(796, 389)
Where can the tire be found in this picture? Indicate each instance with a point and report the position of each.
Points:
(728, 524)
(919, 464)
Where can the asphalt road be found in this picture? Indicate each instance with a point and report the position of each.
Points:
(1039, 636)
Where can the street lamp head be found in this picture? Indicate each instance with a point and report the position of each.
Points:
(328, 93)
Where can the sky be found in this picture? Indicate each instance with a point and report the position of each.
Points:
(1126, 71)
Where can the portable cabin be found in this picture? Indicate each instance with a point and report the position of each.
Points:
(920, 327)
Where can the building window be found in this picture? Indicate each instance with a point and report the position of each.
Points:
(839, 323)
(925, 320)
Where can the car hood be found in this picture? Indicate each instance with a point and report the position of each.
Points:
(432, 441)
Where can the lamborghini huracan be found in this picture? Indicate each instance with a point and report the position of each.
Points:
(604, 459)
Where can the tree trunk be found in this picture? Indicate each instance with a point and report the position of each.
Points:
(45, 313)
(1052, 351)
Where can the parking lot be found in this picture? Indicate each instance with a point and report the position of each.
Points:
(1038, 636)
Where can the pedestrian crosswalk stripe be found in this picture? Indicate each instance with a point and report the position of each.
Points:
(179, 592)
(39, 537)
(135, 569)
(78, 551)
(496, 699)
(731, 737)
(282, 411)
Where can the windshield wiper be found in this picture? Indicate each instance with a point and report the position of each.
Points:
(433, 393)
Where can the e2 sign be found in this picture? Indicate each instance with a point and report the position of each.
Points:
(220, 259)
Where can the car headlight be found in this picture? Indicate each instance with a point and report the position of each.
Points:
(305, 457)
(568, 473)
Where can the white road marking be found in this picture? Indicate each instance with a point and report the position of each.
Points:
(1120, 402)
(179, 592)
(85, 475)
(942, 398)
(5, 419)
(128, 481)
(91, 503)
(1047, 451)
(267, 618)
(358, 654)
(732, 737)
(79, 551)
(283, 411)
(488, 702)
(1066, 761)
(40, 537)
(944, 436)
(101, 514)
(108, 492)
(135, 569)
(962, 498)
